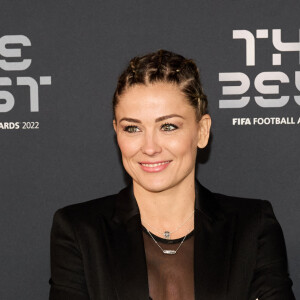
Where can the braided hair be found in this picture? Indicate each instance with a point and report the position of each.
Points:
(168, 67)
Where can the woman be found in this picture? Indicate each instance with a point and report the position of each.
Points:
(165, 236)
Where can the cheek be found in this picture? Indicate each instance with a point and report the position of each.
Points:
(127, 147)
(186, 145)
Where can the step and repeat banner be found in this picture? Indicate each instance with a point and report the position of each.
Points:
(59, 64)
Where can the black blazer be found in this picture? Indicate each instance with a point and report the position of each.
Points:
(97, 250)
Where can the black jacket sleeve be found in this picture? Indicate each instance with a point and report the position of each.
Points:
(271, 279)
(67, 274)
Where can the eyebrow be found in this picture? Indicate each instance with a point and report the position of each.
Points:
(156, 120)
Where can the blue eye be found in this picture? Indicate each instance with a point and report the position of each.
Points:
(164, 127)
(131, 128)
(169, 127)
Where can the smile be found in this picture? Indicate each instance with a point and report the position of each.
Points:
(155, 166)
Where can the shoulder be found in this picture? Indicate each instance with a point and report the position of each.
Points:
(244, 208)
(215, 203)
(239, 204)
(254, 218)
(88, 211)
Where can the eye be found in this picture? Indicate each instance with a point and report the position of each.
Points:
(131, 128)
(169, 127)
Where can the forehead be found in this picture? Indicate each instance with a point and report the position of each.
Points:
(153, 101)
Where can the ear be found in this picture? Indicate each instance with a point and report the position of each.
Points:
(204, 131)
(115, 125)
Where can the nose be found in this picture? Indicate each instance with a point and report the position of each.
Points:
(151, 144)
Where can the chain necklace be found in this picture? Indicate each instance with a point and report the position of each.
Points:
(164, 250)
(167, 234)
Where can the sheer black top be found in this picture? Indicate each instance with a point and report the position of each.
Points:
(170, 276)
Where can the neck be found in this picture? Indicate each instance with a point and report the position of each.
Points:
(168, 209)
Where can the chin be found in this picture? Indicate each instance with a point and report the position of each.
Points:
(154, 186)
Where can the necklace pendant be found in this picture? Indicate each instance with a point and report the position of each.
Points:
(169, 251)
(167, 234)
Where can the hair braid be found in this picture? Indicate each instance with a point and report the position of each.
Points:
(164, 66)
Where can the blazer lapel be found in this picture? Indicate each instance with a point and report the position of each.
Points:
(127, 249)
(214, 232)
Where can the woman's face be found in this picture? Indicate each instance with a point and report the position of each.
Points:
(158, 135)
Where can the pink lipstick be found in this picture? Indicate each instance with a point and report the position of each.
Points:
(155, 166)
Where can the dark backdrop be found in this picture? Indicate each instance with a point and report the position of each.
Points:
(77, 50)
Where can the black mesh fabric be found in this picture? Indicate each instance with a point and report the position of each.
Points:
(170, 276)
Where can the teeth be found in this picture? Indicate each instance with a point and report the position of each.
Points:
(155, 165)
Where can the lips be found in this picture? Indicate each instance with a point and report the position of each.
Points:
(155, 166)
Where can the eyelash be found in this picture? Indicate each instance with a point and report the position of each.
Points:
(127, 128)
